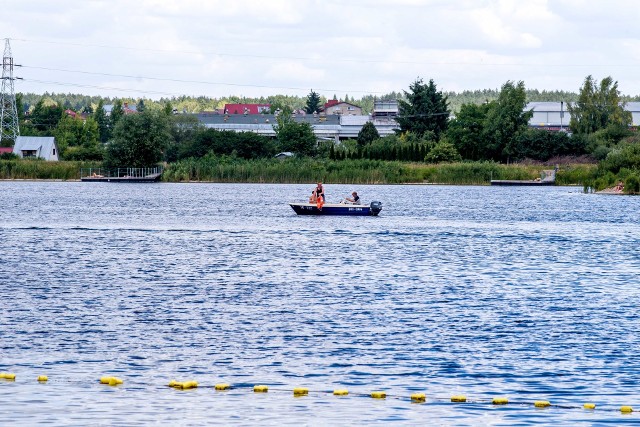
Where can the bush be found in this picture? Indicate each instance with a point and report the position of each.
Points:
(600, 152)
(443, 152)
(9, 156)
(632, 185)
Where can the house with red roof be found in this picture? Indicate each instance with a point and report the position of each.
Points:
(247, 109)
(333, 106)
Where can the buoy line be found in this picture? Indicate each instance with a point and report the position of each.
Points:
(417, 397)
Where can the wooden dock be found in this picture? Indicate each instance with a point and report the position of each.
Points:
(548, 178)
(121, 174)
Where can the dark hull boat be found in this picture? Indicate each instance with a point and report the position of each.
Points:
(337, 209)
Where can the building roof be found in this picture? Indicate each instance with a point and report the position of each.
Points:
(42, 144)
(331, 126)
(331, 103)
(246, 108)
(264, 119)
(562, 106)
(546, 106)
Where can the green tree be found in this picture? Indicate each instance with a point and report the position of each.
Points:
(117, 112)
(45, 118)
(140, 107)
(368, 134)
(168, 108)
(465, 132)
(313, 102)
(599, 106)
(442, 152)
(139, 140)
(77, 139)
(425, 109)
(67, 133)
(506, 119)
(295, 137)
(102, 121)
(184, 130)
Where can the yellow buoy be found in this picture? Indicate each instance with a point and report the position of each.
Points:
(459, 398)
(341, 392)
(189, 385)
(221, 387)
(589, 406)
(43, 378)
(300, 391)
(500, 400)
(541, 403)
(260, 388)
(173, 383)
(7, 376)
(115, 381)
(379, 395)
(418, 397)
(105, 380)
(626, 409)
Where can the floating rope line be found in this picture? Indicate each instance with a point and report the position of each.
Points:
(417, 397)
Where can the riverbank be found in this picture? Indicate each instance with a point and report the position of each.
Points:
(293, 171)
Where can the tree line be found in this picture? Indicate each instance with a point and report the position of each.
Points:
(490, 130)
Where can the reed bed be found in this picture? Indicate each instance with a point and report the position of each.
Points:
(304, 170)
(40, 169)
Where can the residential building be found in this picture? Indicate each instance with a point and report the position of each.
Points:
(555, 115)
(330, 127)
(44, 147)
(341, 108)
(385, 110)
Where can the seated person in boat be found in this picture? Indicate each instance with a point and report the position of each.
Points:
(354, 199)
(319, 192)
(313, 199)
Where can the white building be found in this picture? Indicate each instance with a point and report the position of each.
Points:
(44, 147)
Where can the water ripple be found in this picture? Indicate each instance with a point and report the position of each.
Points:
(483, 291)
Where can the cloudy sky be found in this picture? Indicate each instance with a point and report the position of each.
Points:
(160, 48)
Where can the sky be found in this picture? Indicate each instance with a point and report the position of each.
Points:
(168, 48)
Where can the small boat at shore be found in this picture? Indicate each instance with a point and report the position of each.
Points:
(372, 209)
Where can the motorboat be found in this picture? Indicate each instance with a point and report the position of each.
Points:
(348, 209)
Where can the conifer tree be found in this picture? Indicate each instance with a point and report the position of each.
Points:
(313, 102)
(425, 109)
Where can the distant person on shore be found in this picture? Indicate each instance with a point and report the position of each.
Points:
(354, 199)
(620, 187)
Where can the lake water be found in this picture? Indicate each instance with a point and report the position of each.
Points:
(527, 293)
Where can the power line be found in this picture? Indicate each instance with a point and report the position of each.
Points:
(104, 87)
(203, 82)
(323, 59)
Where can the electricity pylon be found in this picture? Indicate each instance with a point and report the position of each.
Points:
(8, 111)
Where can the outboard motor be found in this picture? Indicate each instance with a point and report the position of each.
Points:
(376, 207)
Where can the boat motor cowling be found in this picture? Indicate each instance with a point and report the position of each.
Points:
(376, 207)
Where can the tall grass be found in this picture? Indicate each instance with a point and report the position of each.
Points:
(40, 169)
(290, 171)
(304, 170)
(360, 171)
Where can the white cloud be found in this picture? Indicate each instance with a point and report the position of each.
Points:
(261, 48)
